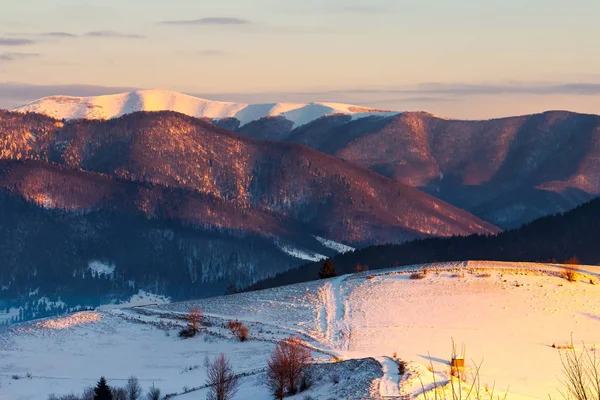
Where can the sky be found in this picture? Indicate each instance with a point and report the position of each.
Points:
(469, 59)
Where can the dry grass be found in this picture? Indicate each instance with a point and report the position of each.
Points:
(459, 386)
(568, 346)
(420, 274)
(581, 374)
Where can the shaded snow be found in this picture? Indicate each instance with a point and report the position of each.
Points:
(98, 268)
(142, 298)
(339, 247)
(111, 106)
(301, 254)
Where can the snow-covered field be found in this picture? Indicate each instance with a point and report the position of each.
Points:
(111, 106)
(507, 314)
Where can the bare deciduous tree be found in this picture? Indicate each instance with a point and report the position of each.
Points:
(133, 388)
(223, 382)
(118, 393)
(286, 366)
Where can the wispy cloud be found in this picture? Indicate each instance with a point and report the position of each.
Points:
(7, 57)
(59, 34)
(209, 21)
(4, 41)
(113, 34)
(466, 89)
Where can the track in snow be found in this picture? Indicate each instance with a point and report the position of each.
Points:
(333, 315)
(389, 385)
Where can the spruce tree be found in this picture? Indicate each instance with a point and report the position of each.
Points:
(102, 390)
(327, 270)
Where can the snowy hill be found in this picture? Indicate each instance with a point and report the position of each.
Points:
(111, 106)
(507, 314)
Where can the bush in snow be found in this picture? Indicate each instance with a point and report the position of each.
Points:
(194, 320)
(238, 330)
(571, 274)
(153, 393)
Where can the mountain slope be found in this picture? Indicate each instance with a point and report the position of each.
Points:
(111, 106)
(337, 199)
(173, 205)
(506, 171)
(549, 239)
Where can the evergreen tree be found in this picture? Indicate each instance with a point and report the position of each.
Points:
(327, 270)
(102, 390)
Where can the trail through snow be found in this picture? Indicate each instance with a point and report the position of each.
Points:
(334, 314)
(389, 385)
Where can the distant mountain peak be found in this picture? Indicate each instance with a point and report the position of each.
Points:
(112, 106)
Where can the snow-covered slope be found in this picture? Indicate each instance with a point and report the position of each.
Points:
(508, 314)
(111, 106)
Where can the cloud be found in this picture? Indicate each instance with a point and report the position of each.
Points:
(113, 34)
(466, 89)
(7, 57)
(209, 21)
(15, 41)
(59, 34)
(463, 89)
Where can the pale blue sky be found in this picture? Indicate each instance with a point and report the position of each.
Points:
(459, 58)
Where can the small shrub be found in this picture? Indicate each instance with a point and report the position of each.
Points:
(239, 330)
(16, 377)
(570, 274)
(187, 332)
(402, 366)
(418, 275)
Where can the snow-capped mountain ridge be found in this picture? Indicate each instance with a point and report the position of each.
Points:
(112, 106)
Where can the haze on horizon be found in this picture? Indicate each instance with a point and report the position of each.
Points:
(461, 59)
